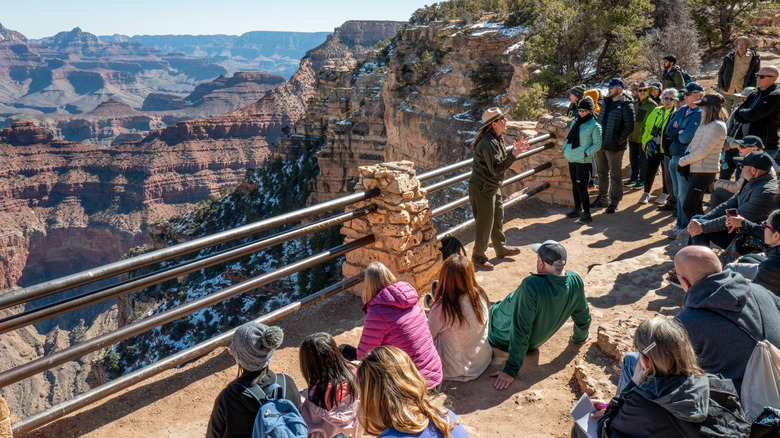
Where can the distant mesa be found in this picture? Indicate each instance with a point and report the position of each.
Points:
(25, 133)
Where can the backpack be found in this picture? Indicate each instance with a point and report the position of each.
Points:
(687, 77)
(277, 417)
(767, 425)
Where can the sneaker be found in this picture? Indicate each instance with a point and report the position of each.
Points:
(661, 199)
(638, 185)
(599, 202)
(629, 183)
(671, 277)
(584, 219)
(673, 232)
(645, 198)
(574, 213)
(611, 209)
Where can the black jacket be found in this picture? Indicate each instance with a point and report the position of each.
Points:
(727, 69)
(762, 111)
(235, 408)
(769, 271)
(617, 120)
(754, 201)
(676, 406)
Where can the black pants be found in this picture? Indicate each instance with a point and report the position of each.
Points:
(721, 238)
(697, 185)
(653, 163)
(580, 175)
(731, 166)
(719, 196)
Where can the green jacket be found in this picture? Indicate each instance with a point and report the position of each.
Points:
(590, 143)
(491, 160)
(643, 109)
(658, 118)
(530, 315)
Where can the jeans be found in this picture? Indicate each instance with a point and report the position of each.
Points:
(638, 160)
(609, 164)
(697, 185)
(580, 175)
(680, 187)
(627, 370)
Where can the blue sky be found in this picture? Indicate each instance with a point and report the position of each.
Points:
(41, 18)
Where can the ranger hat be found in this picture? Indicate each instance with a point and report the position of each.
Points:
(758, 159)
(550, 252)
(491, 115)
(743, 38)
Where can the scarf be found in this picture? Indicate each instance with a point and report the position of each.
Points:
(574, 133)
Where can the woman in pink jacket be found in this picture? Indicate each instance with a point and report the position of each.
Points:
(393, 317)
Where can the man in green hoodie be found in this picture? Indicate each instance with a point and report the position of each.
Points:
(531, 315)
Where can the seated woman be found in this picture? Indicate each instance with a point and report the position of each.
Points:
(763, 270)
(394, 402)
(330, 404)
(236, 406)
(393, 317)
(458, 321)
(667, 393)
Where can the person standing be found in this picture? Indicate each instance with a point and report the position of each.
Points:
(672, 76)
(491, 160)
(738, 72)
(655, 144)
(617, 121)
(761, 110)
(582, 143)
(644, 105)
(575, 95)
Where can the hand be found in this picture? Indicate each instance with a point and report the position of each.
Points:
(520, 146)
(588, 339)
(734, 223)
(503, 380)
(600, 409)
(695, 228)
(640, 373)
(674, 125)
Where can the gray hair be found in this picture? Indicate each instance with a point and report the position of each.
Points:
(669, 92)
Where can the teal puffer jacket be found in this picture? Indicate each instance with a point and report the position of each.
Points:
(590, 143)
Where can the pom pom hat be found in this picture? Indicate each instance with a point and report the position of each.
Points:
(254, 343)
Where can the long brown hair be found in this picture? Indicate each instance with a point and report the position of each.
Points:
(672, 354)
(455, 279)
(482, 133)
(323, 366)
(394, 394)
(712, 113)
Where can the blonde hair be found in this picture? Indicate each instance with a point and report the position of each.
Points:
(672, 354)
(377, 277)
(394, 394)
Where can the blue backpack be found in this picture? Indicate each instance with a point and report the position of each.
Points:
(277, 417)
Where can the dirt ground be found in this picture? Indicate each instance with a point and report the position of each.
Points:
(621, 257)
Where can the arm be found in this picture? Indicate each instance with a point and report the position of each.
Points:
(581, 318)
(629, 115)
(689, 130)
(595, 141)
(722, 85)
(497, 161)
(761, 111)
(715, 219)
(374, 331)
(679, 79)
(752, 70)
(523, 315)
(651, 119)
(216, 427)
(436, 320)
(731, 186)
(707, 139)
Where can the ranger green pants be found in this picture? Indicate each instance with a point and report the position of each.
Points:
(488, 210)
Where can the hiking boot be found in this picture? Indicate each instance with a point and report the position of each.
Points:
(574, 213)
(599, 202)
(511, 253)
(584, 219)
(673, 232)
(671, 277)
(638, 185)
(661, 199)
(485, 266)
(611, 209)
(645, 198)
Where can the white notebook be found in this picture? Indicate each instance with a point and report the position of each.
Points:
(581, 414)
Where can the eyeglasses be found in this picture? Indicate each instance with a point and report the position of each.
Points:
(745, 146)
(766, 226)
(765, 76)
(668, 98)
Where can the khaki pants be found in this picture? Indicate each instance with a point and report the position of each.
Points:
(488, 210)
(610, 165)
(732, 102)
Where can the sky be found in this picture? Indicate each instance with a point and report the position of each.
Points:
(42, 18)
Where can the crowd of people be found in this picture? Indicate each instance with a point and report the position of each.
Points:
(685, 377)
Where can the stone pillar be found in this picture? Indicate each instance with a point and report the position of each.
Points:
(405, 236)
(5, 420)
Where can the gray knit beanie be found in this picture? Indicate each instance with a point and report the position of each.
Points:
(254, 343)
(578, 91)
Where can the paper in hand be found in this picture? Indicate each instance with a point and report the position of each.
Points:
(581, 414)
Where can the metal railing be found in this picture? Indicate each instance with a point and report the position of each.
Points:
(166, 274)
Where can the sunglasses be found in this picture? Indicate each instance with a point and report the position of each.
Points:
(765, 76)
(668, 98)
(766, 226)
(744, 146)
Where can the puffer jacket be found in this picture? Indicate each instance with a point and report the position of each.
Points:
(754, 201)
(393, 317)
(703, 153)
(590, 143)
(341, 418)
(660, 118)
(617, 122)
(769, 271)
(643, 110)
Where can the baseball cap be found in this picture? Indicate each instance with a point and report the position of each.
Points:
(751, 140)
(758, 159)
(550, 252)
(616, 82)
(711, 99)
(693, 86)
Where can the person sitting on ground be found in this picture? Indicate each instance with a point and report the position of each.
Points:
(725, 189)
(531, 315)
(754, 201)
(723, 313)
(393, 317)
(236, 406)
(582, 143)
(394, 402)
(458, 321)
(663, 392)
(330, 403)
(764, 271)
(655, 144)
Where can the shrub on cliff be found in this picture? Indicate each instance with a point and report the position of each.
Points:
(530, 104)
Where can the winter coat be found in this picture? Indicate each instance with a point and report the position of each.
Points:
(235, 408)
(393, 317)
(676, 406)
(687, 121)
(762, 111)
(463, 348)
(713, 311)
(754, 201)
(659, 118)
(341, 418)
(429, 432)
(734, 186)
(590, 143)
(643, 110)
(769, 271)
(703, 153)
(617, 122)
(491, 160)
(727, 70)
(673, 78)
